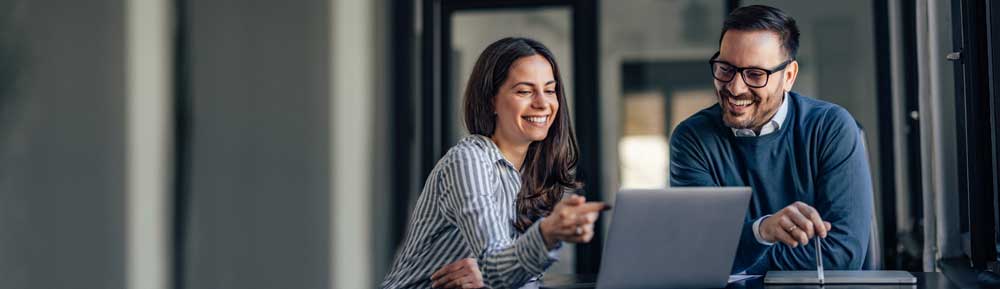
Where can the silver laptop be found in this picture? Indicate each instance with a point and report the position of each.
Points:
(673, 238)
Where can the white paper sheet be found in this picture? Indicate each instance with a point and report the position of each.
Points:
(738, 278)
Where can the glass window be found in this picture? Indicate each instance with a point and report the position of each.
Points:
(654, 75)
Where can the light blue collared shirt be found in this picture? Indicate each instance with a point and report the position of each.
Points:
(771, 126)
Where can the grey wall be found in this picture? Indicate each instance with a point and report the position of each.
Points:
(259, 171)
(62, 144)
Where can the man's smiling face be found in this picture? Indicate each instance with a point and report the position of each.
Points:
(743, 106)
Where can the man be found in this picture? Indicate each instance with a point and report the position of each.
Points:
(804, 158)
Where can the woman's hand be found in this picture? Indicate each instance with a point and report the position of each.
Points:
(572, 220)
(459, 274)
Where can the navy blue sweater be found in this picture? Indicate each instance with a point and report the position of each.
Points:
(816, 157)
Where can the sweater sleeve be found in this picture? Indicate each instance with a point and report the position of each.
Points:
(688, 165)
(843, 198)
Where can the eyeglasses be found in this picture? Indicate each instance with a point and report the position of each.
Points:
(752, 76)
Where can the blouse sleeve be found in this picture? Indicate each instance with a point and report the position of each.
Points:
(470, 181)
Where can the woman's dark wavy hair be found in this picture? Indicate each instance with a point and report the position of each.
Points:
(549, 167)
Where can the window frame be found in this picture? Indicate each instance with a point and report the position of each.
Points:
(977, 72)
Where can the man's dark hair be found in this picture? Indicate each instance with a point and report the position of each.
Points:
(760, 17)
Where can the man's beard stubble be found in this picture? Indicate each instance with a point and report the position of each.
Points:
(757, 117)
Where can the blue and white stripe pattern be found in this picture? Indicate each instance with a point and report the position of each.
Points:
(466, 210)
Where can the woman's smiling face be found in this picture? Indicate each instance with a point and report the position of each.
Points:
(526, 103)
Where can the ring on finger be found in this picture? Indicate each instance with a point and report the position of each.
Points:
(579, 231)
(792, 228)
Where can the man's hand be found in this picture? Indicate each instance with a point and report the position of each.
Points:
(459, 274)
(572, 220)
(794, 225)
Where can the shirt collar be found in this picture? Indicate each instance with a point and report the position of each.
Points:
(492, 150)
(771, 126)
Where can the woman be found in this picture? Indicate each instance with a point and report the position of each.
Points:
(495, 200)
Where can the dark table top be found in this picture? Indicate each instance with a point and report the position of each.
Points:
(924, 280)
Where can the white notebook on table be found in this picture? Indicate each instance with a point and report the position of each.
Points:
(840, 277)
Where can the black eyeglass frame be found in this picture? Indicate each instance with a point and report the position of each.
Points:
(739, 70)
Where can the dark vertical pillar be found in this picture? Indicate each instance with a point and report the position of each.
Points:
(588, 120)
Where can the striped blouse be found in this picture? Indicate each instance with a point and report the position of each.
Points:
(466, 210)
